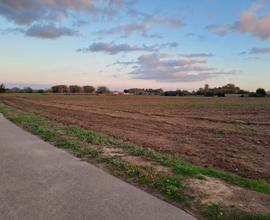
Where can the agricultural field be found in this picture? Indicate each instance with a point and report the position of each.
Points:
(230, 134)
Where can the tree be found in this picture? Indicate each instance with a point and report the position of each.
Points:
(40, 91)
(2, 88)
(75, 89)
(60, 89)
(102, 89)
(88, 89)
(206, 87)
(15, 90)
(48, 91)
(260, 92)
(28, 89)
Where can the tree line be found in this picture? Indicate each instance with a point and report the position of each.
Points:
(206, 91)
(57, 89)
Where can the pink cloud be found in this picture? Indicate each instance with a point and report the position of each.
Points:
(211, 14)
(248, 22)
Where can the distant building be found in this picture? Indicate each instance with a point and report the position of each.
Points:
(118, 93)
(236, 95)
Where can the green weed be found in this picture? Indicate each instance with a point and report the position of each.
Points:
(192, 170)
(46, 132)
(6, 109)
(172, 187)
(143, 178)
(219, 132)
(214, 212)
(27, 118)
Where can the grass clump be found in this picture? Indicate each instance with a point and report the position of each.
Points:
(120, 165)
(46, 132)
(214, 212)
(67, 143)
(77, 148)
(193, 170)
(6, 109)
(172, 187)
(27, 118)
(219, 132)
(89, 136)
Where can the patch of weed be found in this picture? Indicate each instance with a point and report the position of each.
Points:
(27, 118)
(6, 109)
(143, 178)
(192, 170)
(120, 165)
(67, 143)
(46, 132)
(89, 136)
(172, 187)
(219, 132)
(200, 177)
(213, 212)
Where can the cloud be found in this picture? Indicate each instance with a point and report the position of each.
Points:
(12, 31)
(125, 29)
(80, 23)
(25, 12)
(155, 66)
(248, 22)
(222, 30)
(212, 27)
(211, 14)
(146, 35)
(171, 22)
(262, 50)
(169, 45)
(190, 34)
(111, 48)
(242, 53)
(196, 55)
(50, 31)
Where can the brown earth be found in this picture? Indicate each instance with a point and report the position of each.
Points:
(171, 125)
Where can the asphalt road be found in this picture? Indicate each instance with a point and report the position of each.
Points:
(39, 181)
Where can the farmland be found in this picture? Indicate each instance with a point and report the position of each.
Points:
(224, 133)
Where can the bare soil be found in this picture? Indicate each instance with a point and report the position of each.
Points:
(169, 125)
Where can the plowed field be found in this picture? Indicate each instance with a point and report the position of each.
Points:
(231, 134)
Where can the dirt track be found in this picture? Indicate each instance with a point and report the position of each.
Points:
(172, 125)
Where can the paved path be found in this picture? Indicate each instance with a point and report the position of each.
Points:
(39, 181)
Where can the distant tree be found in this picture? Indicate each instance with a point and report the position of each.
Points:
(102, 89)
(88, 89)
(21, 90)
(75, 89)
(15, 90)
(170, 93)
(126, 91)
(48, 91)
(2, 88)
(206, 87)
(60, 89)
(260, 92)
(28, 89)
(268, 93)
(40, 91)
(241, 91)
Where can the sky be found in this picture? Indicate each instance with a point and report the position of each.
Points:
(125, 44)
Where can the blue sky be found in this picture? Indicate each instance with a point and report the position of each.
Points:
(143, 44)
